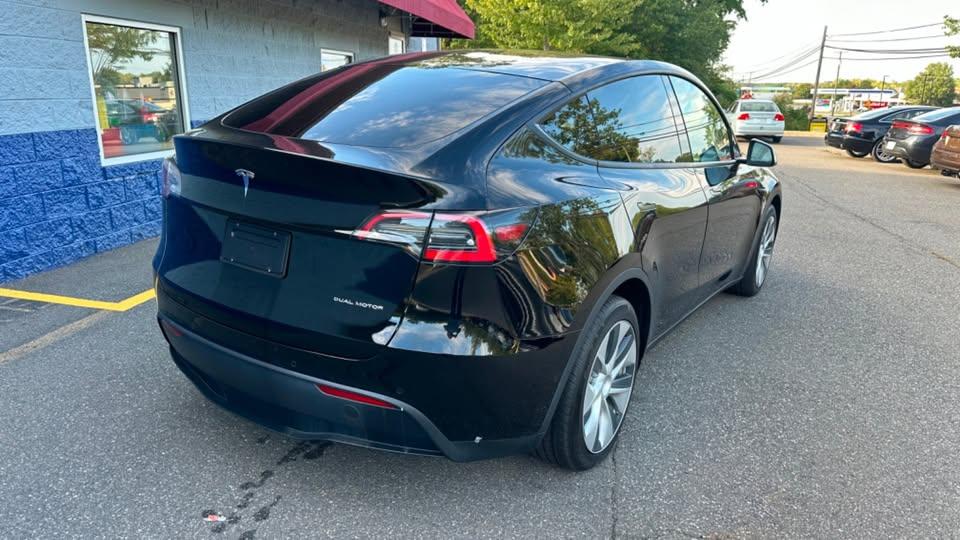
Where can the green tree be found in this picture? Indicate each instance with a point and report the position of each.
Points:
(690, 33)
(951, 27)
(802, 91)
(933, 86)
(111, 46)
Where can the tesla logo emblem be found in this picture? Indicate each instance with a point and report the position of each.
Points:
(247, 177)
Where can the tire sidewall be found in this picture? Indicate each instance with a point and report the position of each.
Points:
(748, 283)
(570, 411)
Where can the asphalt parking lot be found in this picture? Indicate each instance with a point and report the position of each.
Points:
(827, 406)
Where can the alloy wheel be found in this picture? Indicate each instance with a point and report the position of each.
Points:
(609, 385)
(882, 156)
(765, 250)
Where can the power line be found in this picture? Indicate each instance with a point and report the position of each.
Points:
(758, 67)
(846, 58)
(781, 73)
(789, 64)
(891, 51)
(938, 36)
(889, 31)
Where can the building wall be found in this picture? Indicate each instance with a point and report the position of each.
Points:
(57, 203)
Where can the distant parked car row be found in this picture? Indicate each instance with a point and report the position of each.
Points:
(916, 135)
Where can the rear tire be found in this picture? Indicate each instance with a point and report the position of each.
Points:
(854, 153)
(565, 443)
(776, 140)
(914, 164)
(880, 156)
(762, 253)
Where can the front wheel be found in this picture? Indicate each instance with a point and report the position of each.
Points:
(914, 164)
(586, 424)
(758, 265)
(854, 153)
(880, 155)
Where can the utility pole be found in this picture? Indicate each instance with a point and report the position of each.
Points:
(816, 84)
(883, 83)
(836, 82)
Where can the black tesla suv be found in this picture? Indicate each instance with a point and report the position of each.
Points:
(457, 253)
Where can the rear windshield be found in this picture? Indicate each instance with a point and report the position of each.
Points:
(380, 104)
(758, 106)
(937, 115)
(870, 115)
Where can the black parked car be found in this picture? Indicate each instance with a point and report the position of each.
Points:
(863, 134)
(913, 140)
(455, 253)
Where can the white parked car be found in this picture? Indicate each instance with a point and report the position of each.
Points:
(756, 118)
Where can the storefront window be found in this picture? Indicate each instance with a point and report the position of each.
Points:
(395, 45)
(334, 59)
(136, 87)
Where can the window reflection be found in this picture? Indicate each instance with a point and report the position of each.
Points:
(136, 88)
(626, 121)
(334, 59)
(709, 137)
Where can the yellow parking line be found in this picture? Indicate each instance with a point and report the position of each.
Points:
(122, 305)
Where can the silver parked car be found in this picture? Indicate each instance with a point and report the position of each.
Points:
(756, 118)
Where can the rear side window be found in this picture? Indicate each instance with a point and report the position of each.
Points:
(378, 104)
(628, 121)
(709, 137)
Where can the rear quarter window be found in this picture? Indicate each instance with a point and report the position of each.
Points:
(381, 104)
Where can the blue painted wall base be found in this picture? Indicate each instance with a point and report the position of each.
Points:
(58, 204)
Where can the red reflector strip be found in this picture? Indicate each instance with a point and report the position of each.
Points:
(171, 328)
(354, 396)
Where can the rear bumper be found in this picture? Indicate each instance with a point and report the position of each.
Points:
(833, 139)
(945, 160)
(905, 150)
(759, 130)
(290, 402)
(465, 406)
(863, 146)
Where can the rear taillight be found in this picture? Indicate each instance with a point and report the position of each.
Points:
(854, 127)
(778, 117)
(744, 116)
(468, 237)
(913, 128)
(170, 174)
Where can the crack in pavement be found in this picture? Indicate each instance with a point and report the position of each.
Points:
(909, 244)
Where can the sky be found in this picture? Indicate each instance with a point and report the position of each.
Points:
(775, 34)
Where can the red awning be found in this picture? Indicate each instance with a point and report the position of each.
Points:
(436, 18)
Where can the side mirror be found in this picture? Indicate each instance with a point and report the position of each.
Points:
(760, 154)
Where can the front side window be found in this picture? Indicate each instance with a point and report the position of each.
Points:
(334, 59)
(710, 139)
(628, 121)
(137, 89)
